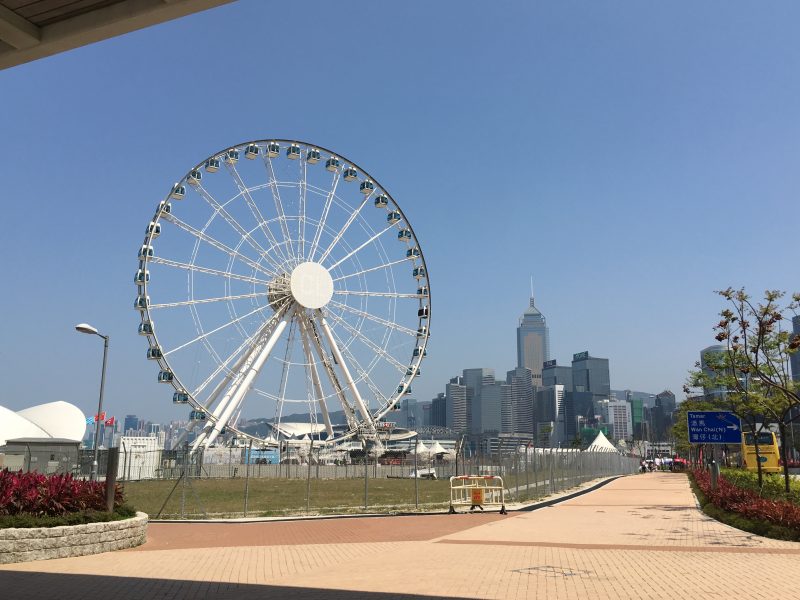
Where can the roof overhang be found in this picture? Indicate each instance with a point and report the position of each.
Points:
(33, 30)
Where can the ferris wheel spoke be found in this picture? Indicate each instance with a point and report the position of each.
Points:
(321, 225)
(383, 266)
(197, 268)
(311, 368)
(316, 343)
(375, 319)
(363, 373)
(201, 235)
(220, 210)
(286, 366)
(361, 247)
(301, 224)
(276, 196)
(244, 378)
(213, 331)
(207, 300)
(255, 211)
(359, 402)
(247, 343)
(376, 294)
(344, 228)
(370, 344)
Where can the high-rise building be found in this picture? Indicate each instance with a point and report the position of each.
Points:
(487, 412)
(457, 409)
(475, 380)
(549, 414)
(439, 410)
(794, 359)
(519, 416)
(617, 414)
(712, 392)
(552, 374)
(590, 374)
(533, 342)
(131, 424)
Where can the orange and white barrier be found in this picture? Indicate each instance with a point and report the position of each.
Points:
(477, 491)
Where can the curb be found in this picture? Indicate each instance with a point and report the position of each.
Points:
(570, 496)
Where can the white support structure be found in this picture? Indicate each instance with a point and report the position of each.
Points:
(315, 382)
(317, 344)
(242, 382)
(362, 408)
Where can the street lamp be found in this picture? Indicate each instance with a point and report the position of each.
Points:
(88, 329)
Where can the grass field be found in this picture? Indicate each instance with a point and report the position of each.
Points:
(271, 497)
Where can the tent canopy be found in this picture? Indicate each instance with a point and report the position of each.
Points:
(601, 444)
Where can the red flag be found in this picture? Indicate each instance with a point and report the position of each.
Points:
(100, 417)
(109, 421)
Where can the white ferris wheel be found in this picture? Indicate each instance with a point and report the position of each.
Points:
(279, 279)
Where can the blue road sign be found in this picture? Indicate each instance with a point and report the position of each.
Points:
(714, 427)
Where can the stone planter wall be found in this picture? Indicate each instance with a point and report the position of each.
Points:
(39, 543)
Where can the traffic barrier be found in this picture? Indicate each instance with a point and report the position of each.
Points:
(477, 491)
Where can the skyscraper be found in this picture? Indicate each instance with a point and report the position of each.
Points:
(475, 380)
(712, 352)
(533, 342)
(456, 407)
(590, 374)
(552, 374)
(518, 418)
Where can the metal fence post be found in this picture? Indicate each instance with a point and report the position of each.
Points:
(366, 476)
(248, 459)
(416, 474)
(308, 479)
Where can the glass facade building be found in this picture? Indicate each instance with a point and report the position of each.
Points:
(533, 342)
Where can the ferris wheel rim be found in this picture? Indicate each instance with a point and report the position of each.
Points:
(390, 399)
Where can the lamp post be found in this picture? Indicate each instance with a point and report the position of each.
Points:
(88, 329)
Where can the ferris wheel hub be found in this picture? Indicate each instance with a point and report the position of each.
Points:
(311, 285)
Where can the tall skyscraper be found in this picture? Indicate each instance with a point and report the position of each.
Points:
(533, 342)
(518, 417)
(456, 407)
(439, 410)
(794, 359)
(712, 392)
(475, 380)
(131, 423)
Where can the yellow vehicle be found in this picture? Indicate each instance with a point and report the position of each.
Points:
(767, 449)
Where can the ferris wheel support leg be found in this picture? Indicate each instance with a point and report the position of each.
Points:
(239, 389)
(235, 372)
(317, 345)
(312, 367)
(362, 408)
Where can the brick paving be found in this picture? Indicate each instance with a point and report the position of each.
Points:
(639, 537)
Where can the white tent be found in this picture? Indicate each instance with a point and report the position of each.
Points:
(601, 444)
(420, 448)
(437, 448)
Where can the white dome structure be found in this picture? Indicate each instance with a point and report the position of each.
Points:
(53, 420)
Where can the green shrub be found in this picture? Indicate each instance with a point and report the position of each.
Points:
(26, 521)
(774, 485)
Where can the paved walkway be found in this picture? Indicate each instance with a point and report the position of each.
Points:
(640, 537)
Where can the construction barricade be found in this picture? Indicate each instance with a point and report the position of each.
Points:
(477, 491)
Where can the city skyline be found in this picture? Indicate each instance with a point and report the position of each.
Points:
(617, 201)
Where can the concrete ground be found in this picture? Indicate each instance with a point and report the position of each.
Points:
(638, 537)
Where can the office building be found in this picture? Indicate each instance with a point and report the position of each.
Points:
(487, 411)
(439, 410)
(456, 407)
(552, 374)
(475, 380)
(533, 342)
(617, 415)
(131, 424)
(549, 415)
(711, 354)
(518, 416)
(591, 374)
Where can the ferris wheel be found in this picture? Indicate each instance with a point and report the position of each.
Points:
(279, 280)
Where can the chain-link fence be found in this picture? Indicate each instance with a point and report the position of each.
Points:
(180, 484)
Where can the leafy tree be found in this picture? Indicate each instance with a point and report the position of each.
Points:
(753, 370)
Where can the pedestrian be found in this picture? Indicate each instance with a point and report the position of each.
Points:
(658, 463)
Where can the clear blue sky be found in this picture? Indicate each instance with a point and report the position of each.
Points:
(631, 156)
